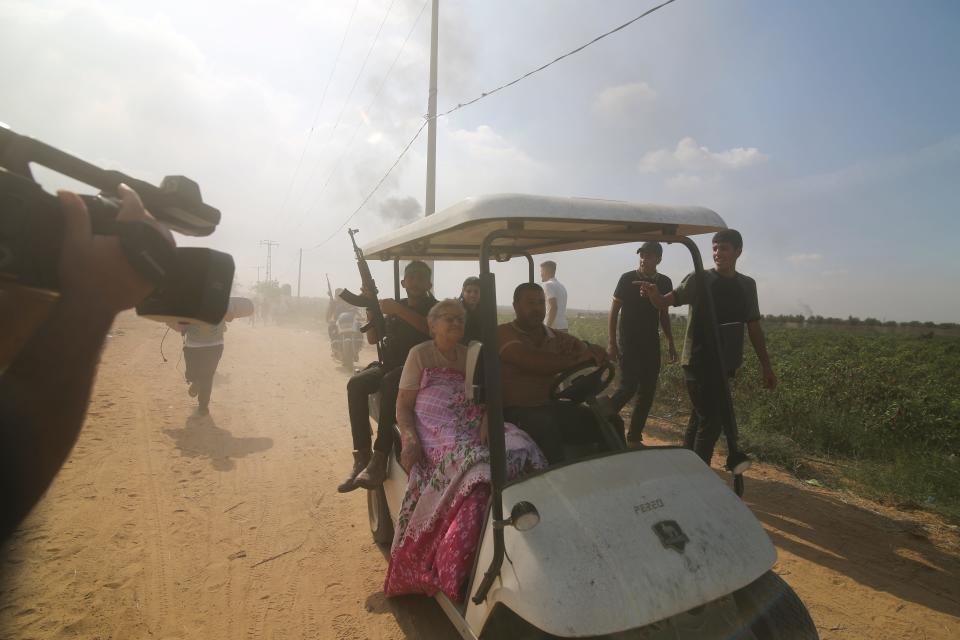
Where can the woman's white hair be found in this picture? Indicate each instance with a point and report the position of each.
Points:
(444, 306)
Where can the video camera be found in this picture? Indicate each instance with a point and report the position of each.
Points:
(192, 284)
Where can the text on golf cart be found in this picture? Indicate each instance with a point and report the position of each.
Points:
(648, 506)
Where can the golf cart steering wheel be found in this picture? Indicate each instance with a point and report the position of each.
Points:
(582, 381)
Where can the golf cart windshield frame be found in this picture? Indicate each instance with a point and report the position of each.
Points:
(503, 237)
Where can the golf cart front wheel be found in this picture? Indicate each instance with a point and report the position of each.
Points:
(773, 611)
(381, 526)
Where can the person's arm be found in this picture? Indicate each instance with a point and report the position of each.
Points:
(668, 334)
(45, 392)
(408, 315)
(660, 301)
(533, 360)
(612, 350)
(759, 342)
(179, 327)
(372, 336)
(536, 361)
(551, 312)
(411, 451)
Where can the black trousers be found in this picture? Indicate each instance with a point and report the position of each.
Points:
(707, 413)
(553, 425)
(359, 388)
(201, 363)
(639, 372)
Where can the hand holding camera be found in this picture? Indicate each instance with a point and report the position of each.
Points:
(94, 269)
(187, 283)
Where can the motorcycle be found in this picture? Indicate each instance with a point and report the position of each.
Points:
(346, 339)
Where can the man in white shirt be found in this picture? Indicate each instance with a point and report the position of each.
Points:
(202, 350)
(556, 295)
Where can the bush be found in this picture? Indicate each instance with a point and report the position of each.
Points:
(887, 403)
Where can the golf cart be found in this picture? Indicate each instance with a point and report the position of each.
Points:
(619, 543)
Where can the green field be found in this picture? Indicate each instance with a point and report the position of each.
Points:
(874, 412)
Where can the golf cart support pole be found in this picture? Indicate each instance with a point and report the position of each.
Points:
(396, 278)
(705, 304)
(494, 402)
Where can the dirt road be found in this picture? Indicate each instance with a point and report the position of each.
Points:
(228, 527)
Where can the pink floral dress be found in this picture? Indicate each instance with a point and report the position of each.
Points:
(442, 514)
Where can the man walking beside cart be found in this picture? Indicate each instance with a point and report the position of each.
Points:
(735, 302)
(638, 347)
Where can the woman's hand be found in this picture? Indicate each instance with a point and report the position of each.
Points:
(412, 452)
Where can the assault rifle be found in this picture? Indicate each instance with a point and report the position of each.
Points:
(369, 301)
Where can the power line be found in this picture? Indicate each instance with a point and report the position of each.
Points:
(316, 116)
(374, 190)
(487, 94)
(356, 80)
(483, 95)
(367, 109)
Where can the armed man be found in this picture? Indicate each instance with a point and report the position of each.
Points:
(404, 328)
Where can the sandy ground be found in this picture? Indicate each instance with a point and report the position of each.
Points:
(227, 527)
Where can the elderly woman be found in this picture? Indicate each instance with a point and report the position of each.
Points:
(445, 453)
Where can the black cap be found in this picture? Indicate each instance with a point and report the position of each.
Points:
(651, 247)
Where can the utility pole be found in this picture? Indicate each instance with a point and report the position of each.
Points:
(430, 202)
(430, 205)
(269, 244)
(299, 267)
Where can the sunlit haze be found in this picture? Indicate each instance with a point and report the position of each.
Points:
(826, 132)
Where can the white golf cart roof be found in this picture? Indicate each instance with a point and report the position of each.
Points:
(529, 224)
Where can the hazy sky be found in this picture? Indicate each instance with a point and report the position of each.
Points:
(827, 132)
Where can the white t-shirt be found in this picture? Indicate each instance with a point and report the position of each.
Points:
(553, 289)
(205, 335)
(426, 356)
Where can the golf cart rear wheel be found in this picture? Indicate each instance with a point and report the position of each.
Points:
(772, 610)
(381, 526)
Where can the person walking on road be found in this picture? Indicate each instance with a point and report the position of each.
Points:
(202, 350)
(638, 347)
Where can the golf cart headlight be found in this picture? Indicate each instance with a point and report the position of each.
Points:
(524, 516)
(738, 463)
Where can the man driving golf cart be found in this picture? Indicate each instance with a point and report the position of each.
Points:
(532, 354)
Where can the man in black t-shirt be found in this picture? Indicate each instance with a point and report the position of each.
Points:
(638, 347)
(735, 304)
(406, 328)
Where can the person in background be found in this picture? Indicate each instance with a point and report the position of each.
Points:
(638, 347)
(202, 350)
(470, 299)
(335, 307)
(556, 296)
(735, 302)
